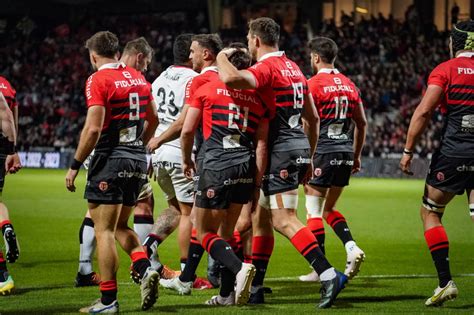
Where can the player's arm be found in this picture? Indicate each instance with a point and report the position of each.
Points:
(228, 73)
(173, 132)
(310, 121)
(15, 118)
(12, 163)
(191, 123)
(261, 156)
(419, 121)
(151, 121)
(360, 131)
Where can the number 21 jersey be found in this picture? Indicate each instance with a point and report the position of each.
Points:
(335, 97)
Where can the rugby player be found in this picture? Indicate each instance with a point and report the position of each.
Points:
(138, 55)
(290, 148)
(235, 130)
(451, 170)
(338, 152)
(121, 118)
(10, 163)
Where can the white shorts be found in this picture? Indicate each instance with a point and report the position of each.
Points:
(167, 167)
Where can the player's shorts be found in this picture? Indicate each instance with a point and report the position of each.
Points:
(286, 170)
(115, 181)
(167, 167)
(3, 172)
(451, 174)
(218, 189)
(332, 169)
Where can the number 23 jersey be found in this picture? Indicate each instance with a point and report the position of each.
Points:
(169, 93)
(335, 97)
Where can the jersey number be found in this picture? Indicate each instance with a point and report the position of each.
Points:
(173, 110)
(342, 104)
(234, 117)
(298, 95)
(134, 100)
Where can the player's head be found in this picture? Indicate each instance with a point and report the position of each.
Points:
(462, 37)
(138, 54)
(263, 31)
(102, 46)
(204, 49)
(241, 58)
(323, 52)
(181, 47)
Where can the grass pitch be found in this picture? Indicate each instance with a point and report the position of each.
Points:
(383, 215)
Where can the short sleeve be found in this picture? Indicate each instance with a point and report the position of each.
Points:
(96, 94)
(439, 77)
(197, 100)
(189, 91)
(262, 74)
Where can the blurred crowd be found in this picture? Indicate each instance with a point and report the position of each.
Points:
(388, 60)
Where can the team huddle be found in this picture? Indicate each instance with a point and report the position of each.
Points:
(233, 132)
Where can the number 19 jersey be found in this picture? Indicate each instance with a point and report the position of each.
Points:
(169, 92)
(335, 97)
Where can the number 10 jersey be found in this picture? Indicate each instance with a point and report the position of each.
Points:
(169, 92)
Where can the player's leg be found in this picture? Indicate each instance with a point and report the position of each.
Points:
(11, 243)
(184, 231)
(6, 282)
(143, 212)
(87, 243)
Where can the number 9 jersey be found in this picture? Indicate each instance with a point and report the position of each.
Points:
(335, 96)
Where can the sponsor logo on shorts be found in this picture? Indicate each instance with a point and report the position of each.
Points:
(166, 164)
(284, 174)
(465, 168)
(103, 186)
(302, 160)
(210, 193)
(335, 162)
(230, 181)
(126, 174)
(318, 171)
(440, 176)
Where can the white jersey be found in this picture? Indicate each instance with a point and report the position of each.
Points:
(169, 91)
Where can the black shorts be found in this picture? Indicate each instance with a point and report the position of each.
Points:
(115, 181)
(285, 171)
(218, 189)
(332, 169)
(449, 174)
(3, 158)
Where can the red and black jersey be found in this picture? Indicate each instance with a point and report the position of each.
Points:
(207, 74)
(8, 92)
(335, 97)
(456, 78)
(230, 119)
(282, 86)
(124, 93)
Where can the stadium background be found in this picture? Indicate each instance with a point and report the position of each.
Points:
(387, 47)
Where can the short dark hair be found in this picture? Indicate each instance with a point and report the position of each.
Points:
(181, 46)
(325, 47)
(139, 45)
(462, 36)
(104, 43)
(240, 59)
(267, 29)
(212, 42)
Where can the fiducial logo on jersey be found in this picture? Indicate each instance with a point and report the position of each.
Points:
(467, 123)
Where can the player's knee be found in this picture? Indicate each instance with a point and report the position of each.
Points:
(315, 206)
(280, 224)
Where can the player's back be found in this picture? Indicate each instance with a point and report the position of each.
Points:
(456, 77)
(8, 92)
(169, 94)
(230, 121)
(282, 85)
(124, 93)
(335, 97)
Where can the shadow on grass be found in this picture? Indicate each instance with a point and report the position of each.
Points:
(21, 291)
(460, 307)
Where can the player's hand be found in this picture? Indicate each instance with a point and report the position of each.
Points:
(189, 169)
(153, 144)
(227, 52)
(12, 164)
(405, 163)
(70, 178)
(356, 166)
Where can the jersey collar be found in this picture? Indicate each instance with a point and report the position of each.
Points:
(468, 54)
(112, 65)
(211, 68)
(328, 71)
(272, 54)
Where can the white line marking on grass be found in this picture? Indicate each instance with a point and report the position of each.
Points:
(412, 276)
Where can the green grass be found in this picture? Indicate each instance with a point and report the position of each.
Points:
(383, 216)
